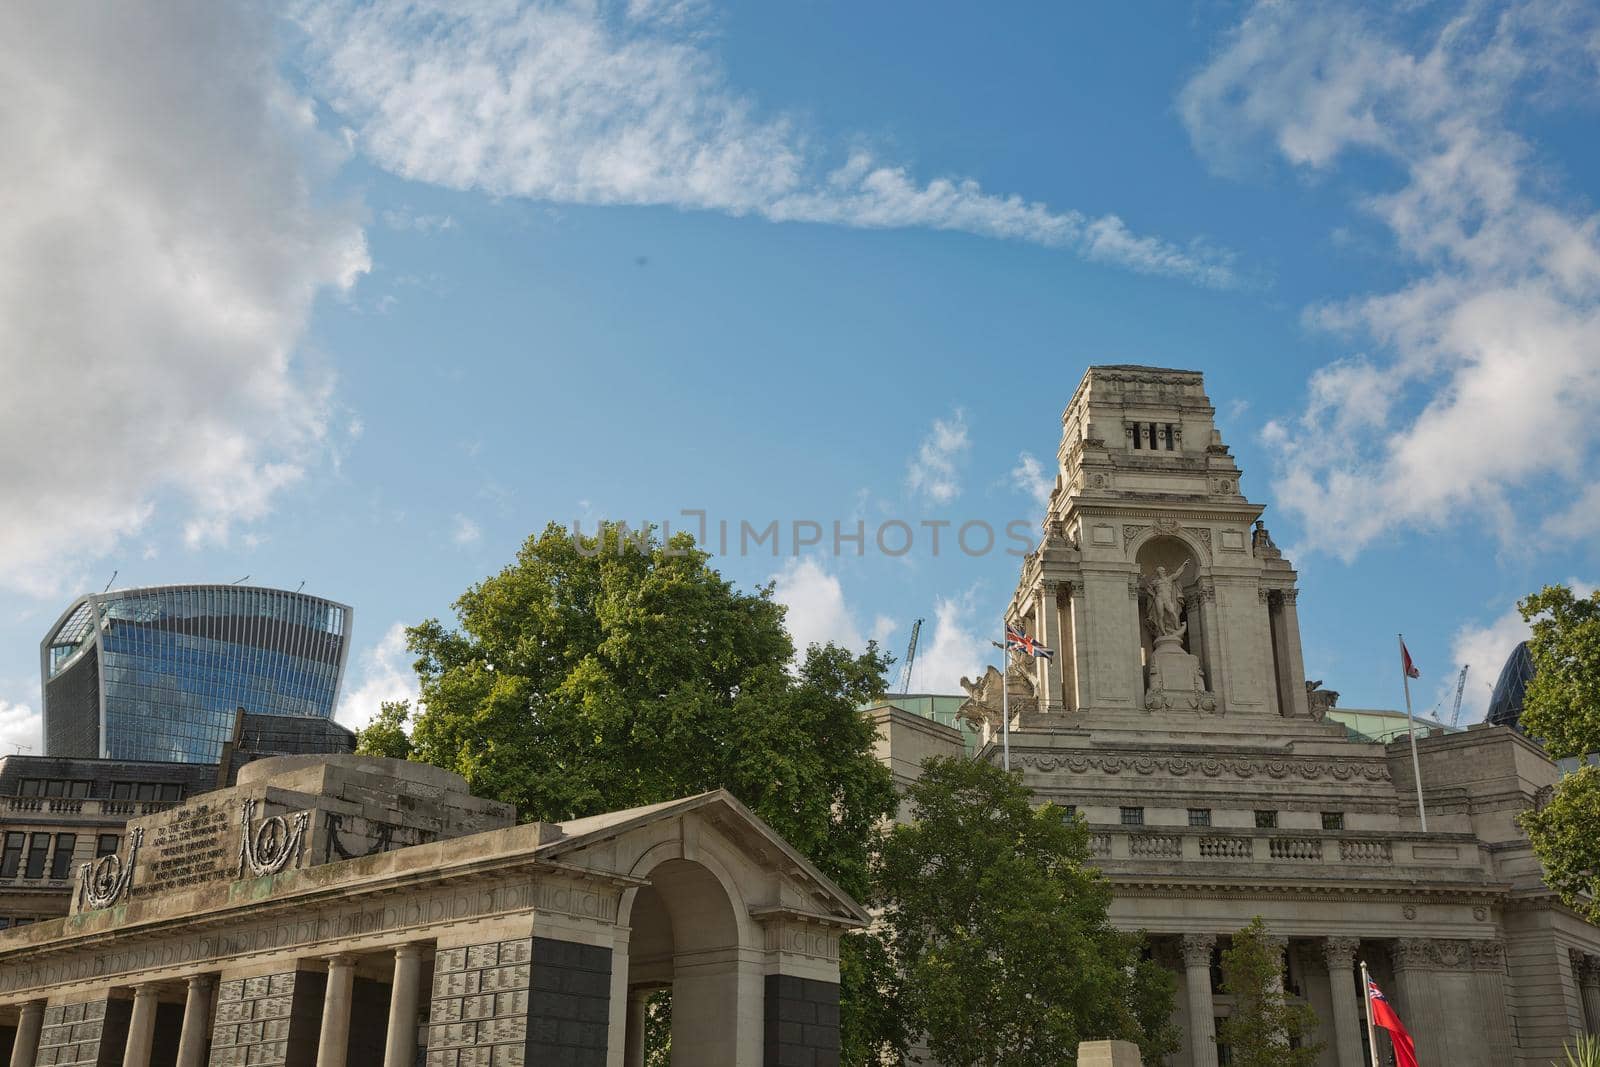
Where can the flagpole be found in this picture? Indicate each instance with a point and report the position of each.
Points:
(1366, 1002)
(1411, 729)
(1005, 698)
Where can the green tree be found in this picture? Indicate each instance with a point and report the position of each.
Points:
(1562, 709)
(997, 922)
(386, 734)
(1266, 1028)
(591, 675)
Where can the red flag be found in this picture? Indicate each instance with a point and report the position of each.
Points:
(1405, 661)
(1405, 1053)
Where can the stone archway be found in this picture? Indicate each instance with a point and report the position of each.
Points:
(685, 936)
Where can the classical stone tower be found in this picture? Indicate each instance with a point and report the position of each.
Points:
(1155, 582)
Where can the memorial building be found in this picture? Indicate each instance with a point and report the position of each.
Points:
(1176, 719)
(352, 911)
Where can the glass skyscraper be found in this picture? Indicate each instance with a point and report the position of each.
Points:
(158, 673)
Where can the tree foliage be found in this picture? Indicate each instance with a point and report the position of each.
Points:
(1265, 1028)
(1561, 708)
(592, 675)
(998, 924)
(386, 734)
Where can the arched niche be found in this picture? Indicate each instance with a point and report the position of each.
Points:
(1173, 554)
(686, 936)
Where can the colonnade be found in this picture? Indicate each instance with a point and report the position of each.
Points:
(200, 1007)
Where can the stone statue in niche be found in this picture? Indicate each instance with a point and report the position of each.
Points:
(1166, 602)
(1320, 699)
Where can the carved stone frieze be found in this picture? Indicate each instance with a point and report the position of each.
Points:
(106, 880)
(1432, 954)
(1130, 531)
(1281, 769)
(801, 938)
(271, 845)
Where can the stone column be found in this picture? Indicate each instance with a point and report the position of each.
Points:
(1586, 972)
(192, 1048)
(1421, 966)
(638, 1001)
(1202, 1015)
(1048, 619)
(1340, 953)
(141, 1027)
(25, 1049)
(333, 1044)
(400, 1048)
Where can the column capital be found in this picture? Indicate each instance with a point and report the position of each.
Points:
(1585, 968)
(1340, 952)
(408, 951)
(1487, 955)
(33, 1007)
(202, 981)
(146, 989)
(341, 959)
(1197, 948)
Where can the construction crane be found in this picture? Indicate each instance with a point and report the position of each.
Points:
(1461, 683)
(911, 658)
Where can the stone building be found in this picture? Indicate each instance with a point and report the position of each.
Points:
(1176, 719)
(350, 910)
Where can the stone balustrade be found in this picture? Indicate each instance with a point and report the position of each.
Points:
(84, 806)
(1109, 845)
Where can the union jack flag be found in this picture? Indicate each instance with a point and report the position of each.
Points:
(1021, 642)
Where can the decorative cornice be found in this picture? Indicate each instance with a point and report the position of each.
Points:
(1279, 769)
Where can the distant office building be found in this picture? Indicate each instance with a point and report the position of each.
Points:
(160, 673)
(1505, 705)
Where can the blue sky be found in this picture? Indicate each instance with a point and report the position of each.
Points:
(363, 295)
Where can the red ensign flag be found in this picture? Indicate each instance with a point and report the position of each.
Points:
(1405, 660)
(1405, 1053)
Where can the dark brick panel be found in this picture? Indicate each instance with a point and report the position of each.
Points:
(802, 1022)
(569, 1010)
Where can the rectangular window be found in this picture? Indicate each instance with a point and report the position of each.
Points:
(1069, 812)
(106, 844)
(1266, 819)
(121, 791)
(171, 791)
(1333, 820)
(146, 791)
(1167, 436)
(61, 862)
(31, 787)
(55, 787)
(11, 859)
(80, 789)
(1199, 816)
(38, 852)
(1132, 816)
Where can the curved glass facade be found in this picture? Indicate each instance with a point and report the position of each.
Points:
(1505, 706)
(158, 673)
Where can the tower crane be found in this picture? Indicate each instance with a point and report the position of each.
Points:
(1461, 683)
(911, 658)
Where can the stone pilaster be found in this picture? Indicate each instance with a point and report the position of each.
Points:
(1586, 972)
(1489, 981)
(1048, 620)
(268, 1019)
(1340, 955)
(1434, 975)
(1197, 983)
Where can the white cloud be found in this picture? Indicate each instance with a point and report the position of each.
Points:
(21, 729)
(957, 648)
(1483, 394)
(1029, 476)
(406, 219)
(167, 231)
(578, 102)
(817, 609)
(933, 472)
(382, 672)
(465, 531)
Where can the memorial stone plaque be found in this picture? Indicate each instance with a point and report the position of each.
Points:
(199, 844)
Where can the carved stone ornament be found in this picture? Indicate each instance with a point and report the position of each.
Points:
(983, 703)
(1488, 955)
(1197, 949)
(1433, 954)
(106, 880)
(267, 847)
(1319, 699)
(1279, 769)
(1340, 952)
